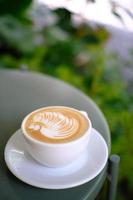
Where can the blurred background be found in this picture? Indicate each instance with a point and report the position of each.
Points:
(88, 44)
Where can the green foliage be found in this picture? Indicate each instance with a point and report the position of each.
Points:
(13, 7)
(17, 35)
(76, 55)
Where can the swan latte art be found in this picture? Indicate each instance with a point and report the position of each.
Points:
(56, 124)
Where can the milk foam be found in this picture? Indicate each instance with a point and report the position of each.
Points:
(54, 124)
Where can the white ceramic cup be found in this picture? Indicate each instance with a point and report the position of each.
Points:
(56, 154)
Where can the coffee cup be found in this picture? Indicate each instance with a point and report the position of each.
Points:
(56, 136)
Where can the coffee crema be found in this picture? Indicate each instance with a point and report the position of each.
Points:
(56, 124)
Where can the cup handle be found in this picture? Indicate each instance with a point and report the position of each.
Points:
(84, 113)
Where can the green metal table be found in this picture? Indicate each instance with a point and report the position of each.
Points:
(22, 92)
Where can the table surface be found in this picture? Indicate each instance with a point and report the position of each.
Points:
(23, 92)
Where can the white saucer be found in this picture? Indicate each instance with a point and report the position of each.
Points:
(24, 167)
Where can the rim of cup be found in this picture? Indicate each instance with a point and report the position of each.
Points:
(85, 135)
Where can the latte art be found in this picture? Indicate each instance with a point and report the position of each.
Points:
(54, 125)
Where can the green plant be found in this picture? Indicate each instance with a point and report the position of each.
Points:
(13, 7)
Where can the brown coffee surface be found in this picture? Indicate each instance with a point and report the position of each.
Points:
(56, 124)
